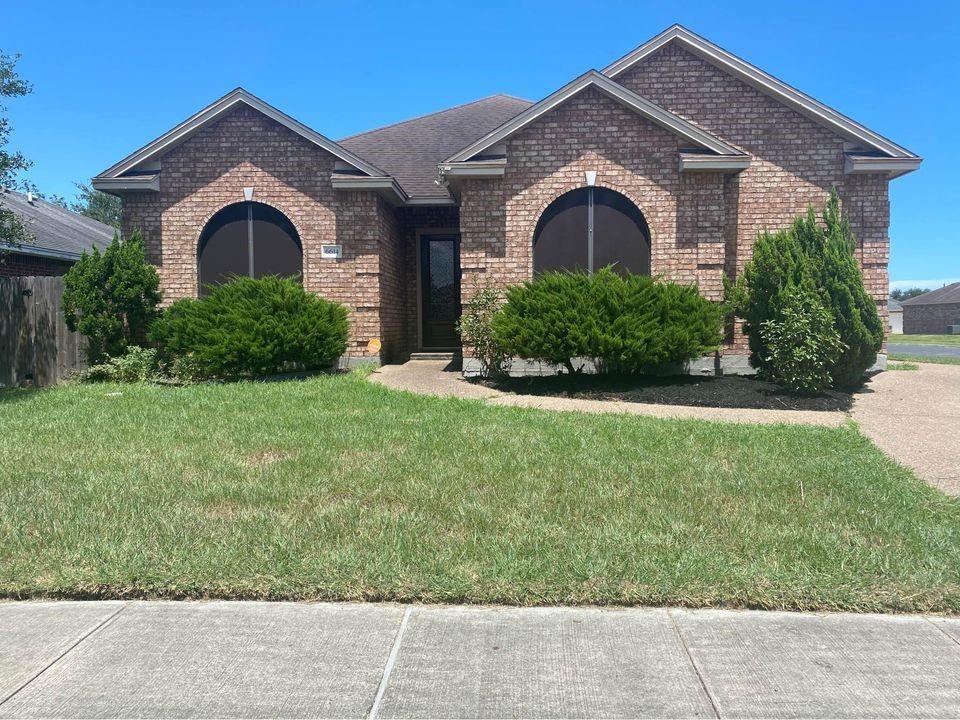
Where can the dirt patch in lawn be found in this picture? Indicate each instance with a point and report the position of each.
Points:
(732, 391)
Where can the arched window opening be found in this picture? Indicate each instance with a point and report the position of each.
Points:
(248, 239)
(588, 229)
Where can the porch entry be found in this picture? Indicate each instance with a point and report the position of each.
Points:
(439, 291)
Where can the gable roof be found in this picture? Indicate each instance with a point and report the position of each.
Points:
(946, 294)
(411, 150)
(56, 232)
(764, 82)
(613, 90)
(217, 110)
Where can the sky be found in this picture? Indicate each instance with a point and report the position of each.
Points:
(108, 77)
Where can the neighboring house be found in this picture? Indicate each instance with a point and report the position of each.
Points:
(669, 161)
(57, 236)
(895, 310)
(935, 312)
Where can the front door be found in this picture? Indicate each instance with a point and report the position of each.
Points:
(439, 291)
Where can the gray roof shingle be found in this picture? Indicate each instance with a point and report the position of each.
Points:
(946, 294)
(55, 228)
(411, 150)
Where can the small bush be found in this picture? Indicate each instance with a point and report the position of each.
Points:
(253, 327)
(627, 325)
(111, 298)
(816, 255)
(801, 341)
(137, 364)
(476, 330)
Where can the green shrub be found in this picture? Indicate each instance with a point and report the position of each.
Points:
(253, 327)
(629, 325)
(137, 364)
(802, 342)
(111, 298)
(476, 330)
(817, 257)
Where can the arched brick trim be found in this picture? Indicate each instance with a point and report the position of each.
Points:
(255, 201)
(275, 206)
(581, 186)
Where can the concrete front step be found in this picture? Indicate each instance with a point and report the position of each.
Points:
(455, 355)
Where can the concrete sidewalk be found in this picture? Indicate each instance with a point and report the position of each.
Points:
(238, 659)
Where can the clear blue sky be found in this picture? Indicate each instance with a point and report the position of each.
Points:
(109, 77)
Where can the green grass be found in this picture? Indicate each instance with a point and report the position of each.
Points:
(902, 366)
(933, 359)
(952, 340)
(335, 488)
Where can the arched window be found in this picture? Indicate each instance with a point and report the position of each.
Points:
(590, 228)
(249, 239)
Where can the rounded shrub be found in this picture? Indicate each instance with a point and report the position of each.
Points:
(253, 327)
(625, 324)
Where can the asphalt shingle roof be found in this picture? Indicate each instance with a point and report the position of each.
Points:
(946, 294)
(411, 150)
(55, 228)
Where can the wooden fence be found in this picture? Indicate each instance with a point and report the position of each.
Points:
(36, 348)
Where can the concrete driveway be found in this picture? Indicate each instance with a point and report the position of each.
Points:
(248, 659)
(914, 416)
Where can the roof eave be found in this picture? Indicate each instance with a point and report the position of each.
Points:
(699, 162)
(36, 251)
(120, 185)
(893, 167)
(761, 80)
(386, 186)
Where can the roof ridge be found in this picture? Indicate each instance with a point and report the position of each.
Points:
(431, 114)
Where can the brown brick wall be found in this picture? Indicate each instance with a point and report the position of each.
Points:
(930, 319)
(702, 225)
(685, 213)
(795, 161)
(14, 264)
(245, 149)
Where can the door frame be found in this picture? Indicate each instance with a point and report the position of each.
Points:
(418, 235)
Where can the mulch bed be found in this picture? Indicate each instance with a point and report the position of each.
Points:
(731, 391)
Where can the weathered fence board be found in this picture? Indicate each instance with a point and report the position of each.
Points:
(35, 345)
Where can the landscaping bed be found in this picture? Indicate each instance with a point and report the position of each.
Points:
(731, 391)
(335, 488)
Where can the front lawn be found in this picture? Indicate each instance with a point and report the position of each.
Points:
(336, 488)
(952, 340)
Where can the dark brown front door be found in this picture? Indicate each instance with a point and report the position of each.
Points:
(439, 291)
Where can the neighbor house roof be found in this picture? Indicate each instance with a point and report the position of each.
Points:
(412, 149)
(764, 82)
(946, 294)
(55, 231)
(894, 305)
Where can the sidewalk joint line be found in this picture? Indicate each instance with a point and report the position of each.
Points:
(388, 668)
(59, 657)
(949, 637)
(693, 663)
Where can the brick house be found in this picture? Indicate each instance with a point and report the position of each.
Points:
(934, 312)
(669, 161)
(56, 237)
